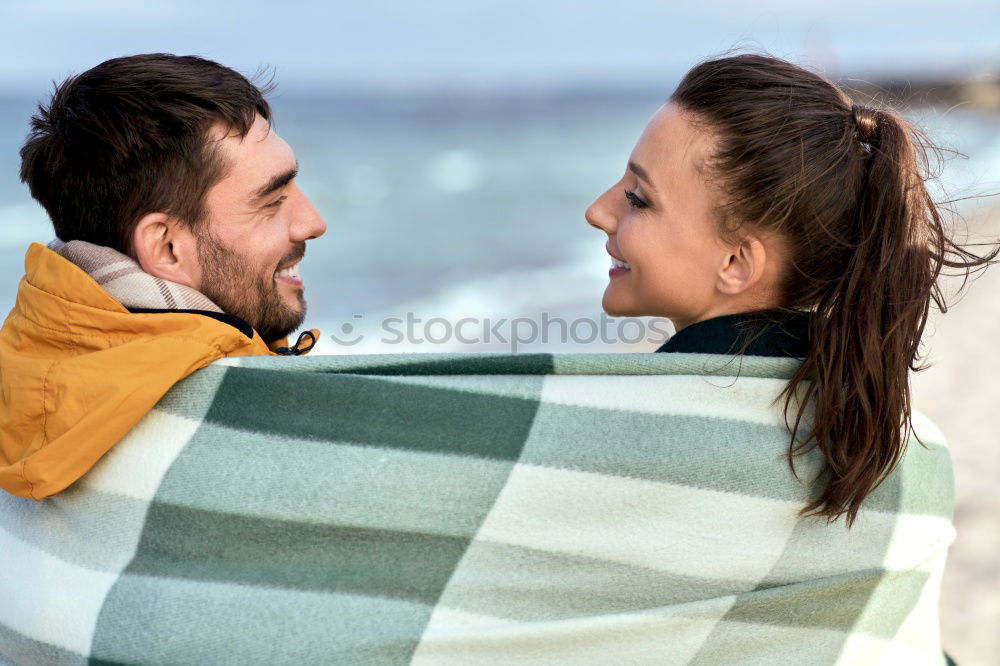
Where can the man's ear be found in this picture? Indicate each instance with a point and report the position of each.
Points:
(166, 249)
(744, 266)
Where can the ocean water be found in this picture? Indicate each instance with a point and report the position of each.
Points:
(463, 207)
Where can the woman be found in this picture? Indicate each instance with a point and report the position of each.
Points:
(764, 214)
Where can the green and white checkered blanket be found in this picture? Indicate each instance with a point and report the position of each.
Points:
(472, 509)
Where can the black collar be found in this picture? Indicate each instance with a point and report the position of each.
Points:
(766, 333)
(234, 321)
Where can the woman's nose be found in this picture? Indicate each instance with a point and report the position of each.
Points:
(601, 215)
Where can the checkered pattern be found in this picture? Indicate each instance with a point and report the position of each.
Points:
(473, 509)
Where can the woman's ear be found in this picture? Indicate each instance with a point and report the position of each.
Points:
(166, 249)
(743, 268)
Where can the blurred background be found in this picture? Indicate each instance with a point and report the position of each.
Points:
(453, 147)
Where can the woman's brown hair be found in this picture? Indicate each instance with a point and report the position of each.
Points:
(844, 186)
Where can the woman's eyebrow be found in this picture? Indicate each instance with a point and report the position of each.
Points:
(641, 173)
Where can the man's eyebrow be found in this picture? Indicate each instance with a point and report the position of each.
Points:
(277, 182)
(639, 171)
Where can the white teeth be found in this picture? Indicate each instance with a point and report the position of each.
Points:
(620, 264)
(291, 271)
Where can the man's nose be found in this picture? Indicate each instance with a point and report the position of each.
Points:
(308, 223)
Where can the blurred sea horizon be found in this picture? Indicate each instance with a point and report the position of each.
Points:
(466, 204)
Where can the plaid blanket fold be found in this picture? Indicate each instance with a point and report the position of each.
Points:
(473, 509)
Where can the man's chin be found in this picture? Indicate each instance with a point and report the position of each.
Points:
(275, 324)
(271, 337)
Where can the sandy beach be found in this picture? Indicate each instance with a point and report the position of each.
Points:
(961, 392)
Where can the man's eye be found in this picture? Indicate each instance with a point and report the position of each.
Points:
(634, 200)
(276, 202)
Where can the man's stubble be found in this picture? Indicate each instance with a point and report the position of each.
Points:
(246, 290)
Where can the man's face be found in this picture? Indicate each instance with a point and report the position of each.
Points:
(254, 233)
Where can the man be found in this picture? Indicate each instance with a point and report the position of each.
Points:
(179, 233)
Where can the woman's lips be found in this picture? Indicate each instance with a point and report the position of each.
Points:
(618, 272)
(618, 267)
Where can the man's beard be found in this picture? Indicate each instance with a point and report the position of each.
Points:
(247, 291)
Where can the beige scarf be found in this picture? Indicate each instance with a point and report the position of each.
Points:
(120, 276)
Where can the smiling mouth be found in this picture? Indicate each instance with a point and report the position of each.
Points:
(289, 275)
(291, 271)
(616, 263)
(619, 268)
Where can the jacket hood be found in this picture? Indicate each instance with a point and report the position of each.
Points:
(78, 370)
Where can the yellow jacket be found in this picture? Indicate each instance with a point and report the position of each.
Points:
(78, 370)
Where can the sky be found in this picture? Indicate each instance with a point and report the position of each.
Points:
(520, 44)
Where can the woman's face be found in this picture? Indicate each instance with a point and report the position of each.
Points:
(660, 222)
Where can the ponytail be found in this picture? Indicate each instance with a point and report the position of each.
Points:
(866, 330)
(844, 184)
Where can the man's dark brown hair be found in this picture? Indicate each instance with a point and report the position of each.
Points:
(130, 137)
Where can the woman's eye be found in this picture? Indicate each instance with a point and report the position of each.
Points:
(634, 200)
